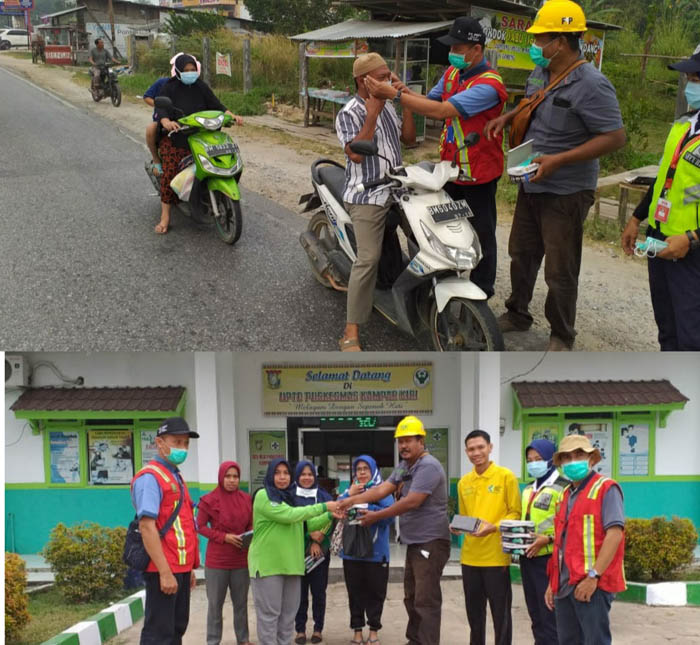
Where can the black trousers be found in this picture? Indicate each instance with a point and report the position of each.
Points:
(317, 581)
(547, 226)
(675, 297)
(366, 583)
(493, 584)
(482, 200)
(166, 615)
(535, 580)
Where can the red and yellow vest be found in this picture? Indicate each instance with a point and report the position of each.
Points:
(180, 544)
(584, 537)
(483, 161)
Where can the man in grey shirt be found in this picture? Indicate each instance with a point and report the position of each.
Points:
(420, 485)
(578, 121)
(99, 57)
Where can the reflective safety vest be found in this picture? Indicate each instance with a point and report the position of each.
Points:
(584, 537)
(682, 186)
(541, 507)
(180, 544)
(483, 161)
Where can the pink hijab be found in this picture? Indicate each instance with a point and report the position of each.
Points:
(232, 510)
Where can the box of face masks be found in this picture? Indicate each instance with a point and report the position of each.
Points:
(520, 166)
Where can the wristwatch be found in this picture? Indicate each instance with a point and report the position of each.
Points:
(592, 573)
(397, 98)
(694, 243)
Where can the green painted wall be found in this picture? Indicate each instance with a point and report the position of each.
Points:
(666, 498)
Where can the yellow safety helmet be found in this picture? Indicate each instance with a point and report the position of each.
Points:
(409, 427)
(559, 16)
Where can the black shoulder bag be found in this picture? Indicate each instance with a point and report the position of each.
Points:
(135, 554)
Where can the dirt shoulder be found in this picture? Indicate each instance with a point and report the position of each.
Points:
(614, 308)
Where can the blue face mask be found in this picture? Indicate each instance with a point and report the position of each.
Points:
(537, 469)
(457, 60)
(189, 77)
(576, 470)
(692, 95)
(177, 456)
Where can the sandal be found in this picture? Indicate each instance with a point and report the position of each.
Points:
(300, 639)
(350, 345)
(361, 641)
(156, 169)
(317, 638)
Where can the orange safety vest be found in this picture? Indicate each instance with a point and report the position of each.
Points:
(584, 537)
(484, 160)
(180, 544)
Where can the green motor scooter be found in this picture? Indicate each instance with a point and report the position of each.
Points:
(207, 179)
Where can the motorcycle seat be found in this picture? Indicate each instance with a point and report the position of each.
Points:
(333, 178)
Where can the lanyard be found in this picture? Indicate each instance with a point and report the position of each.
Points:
(685, 143)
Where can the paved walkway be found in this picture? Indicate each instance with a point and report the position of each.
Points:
(631, 624)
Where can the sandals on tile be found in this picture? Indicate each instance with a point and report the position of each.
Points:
(350, 345)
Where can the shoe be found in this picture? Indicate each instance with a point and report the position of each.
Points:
(506, 325)
(300, 639)
(317, 638)
(556, 344)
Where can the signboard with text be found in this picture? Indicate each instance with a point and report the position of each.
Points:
(263, 447)
(310, 390)
(507, 34)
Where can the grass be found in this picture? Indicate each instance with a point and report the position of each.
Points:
(21, 54)
(51, 613)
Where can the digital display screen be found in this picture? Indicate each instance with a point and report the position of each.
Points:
(348, 423)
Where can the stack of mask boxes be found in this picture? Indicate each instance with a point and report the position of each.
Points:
(516, 536)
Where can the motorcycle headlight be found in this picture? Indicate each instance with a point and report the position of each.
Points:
(215, 170)
(464, 259)
(210, 124)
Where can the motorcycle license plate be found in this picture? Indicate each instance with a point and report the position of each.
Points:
(221, 149)
(450, 211)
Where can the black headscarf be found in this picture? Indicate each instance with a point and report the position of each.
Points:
(275, 494)
(182, 61)
(302, 500)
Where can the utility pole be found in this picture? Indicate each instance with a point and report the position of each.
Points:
(110, 10)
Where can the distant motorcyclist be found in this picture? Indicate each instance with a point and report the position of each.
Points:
(99, 57)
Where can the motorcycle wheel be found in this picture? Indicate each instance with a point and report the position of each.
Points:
(96, 95)
(116, 96)
(472, 327)
(230, 225)
(320, 227)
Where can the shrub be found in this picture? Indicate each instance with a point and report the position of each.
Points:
(656, 548)
(87, 560)
(16, 598)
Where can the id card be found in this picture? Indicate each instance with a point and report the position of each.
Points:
(663, 208)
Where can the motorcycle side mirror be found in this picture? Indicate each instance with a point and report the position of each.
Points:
(471, 139)
(163, 103)
(367, 148)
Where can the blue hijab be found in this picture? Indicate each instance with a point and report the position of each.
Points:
(274, 494)
(376, 475)
(304, 500)
(546, 449)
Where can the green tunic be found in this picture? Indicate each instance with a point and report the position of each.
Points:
(278, 539)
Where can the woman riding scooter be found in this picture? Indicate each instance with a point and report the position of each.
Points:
(189, 94)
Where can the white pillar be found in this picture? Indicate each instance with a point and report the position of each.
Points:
(487, 403)
(207, 417)
(468, 400)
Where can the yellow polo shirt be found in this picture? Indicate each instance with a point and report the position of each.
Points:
(492, 496)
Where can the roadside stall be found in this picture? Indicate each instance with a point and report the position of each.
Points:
(65, 37)
(406, 46)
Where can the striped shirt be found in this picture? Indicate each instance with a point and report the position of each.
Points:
(387, 134)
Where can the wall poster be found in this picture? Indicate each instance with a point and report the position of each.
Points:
(64, 448)
(111, 456)
(634, 449)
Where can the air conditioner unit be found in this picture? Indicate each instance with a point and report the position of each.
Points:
(16, 371)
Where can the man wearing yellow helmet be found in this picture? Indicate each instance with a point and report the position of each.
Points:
(577, 121)
(421, 488)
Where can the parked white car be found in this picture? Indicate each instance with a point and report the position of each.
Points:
(16, 37)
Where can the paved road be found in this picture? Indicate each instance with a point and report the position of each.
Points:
(81, 269)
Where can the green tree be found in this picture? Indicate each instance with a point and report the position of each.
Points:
(296, 16)
(185, 24)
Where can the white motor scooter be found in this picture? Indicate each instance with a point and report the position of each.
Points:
(427, 294)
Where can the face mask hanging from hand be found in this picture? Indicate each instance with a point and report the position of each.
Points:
(692, 95)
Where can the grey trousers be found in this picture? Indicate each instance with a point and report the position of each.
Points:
(219, 581)
(368, 224)
(276, 603)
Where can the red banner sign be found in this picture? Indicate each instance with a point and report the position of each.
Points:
(58, 54)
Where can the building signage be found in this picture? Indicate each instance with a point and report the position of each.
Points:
(111, 456)
(436, 442)
(223, 64)
(319, 390)
(344, 49)
(263, 447)
(507, 34)
(58, 54)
